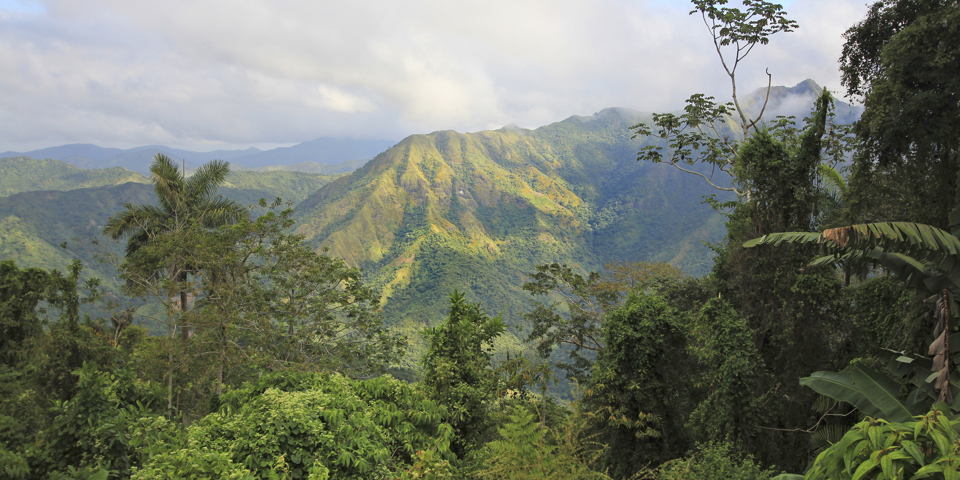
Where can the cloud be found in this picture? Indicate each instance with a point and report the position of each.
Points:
(232, 73)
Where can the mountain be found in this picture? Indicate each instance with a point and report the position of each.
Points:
(326, 151)
(24, 174)
(345, 154)
(477, 211)
(34, 224)
(797, 101)
(306, 167)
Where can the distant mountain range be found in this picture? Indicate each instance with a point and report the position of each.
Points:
(323, 155)
(437, 212)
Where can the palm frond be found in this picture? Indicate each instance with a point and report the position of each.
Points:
(205, 181)
(927, 257)
(220, 211)
(836, 185)
(168, 183)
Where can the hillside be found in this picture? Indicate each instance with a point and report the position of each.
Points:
(25, 174)
(34, 224)
(475, 212)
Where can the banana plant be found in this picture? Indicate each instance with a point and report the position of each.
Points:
(925, 257)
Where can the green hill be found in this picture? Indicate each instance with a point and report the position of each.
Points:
(477, 211)
(34, 224)
(248, 187)
(25, 174)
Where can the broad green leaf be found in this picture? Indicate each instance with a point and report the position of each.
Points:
(914, 450)
(881, 392)
(943, 445)
(864, 469)
(886, 464)
(840, 386)
(928, 470)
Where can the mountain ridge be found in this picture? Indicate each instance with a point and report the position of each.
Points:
(321, 151)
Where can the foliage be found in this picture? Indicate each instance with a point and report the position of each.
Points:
(586, 303)
(713, 460)
(924, 447)
(702, 134)
(576, 322)
(310, 426)
(265, 296)
(93, 429)
(180, 201)
(458, 369)
(529, 450)
(637, 394)
(926, 258)
(183, 204)
(902, 59)
(20, 293)
(731, 372)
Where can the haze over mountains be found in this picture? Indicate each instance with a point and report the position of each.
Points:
(311, 156)
(435, 212)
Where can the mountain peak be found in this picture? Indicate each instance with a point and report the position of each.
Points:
(806, 87)
(513, 128)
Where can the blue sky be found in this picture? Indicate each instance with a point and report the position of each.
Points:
(239, 73)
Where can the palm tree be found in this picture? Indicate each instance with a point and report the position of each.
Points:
(182, 203)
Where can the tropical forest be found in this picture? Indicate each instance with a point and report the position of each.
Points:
(732, 290)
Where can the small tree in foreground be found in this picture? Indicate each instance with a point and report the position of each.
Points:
(458, 369)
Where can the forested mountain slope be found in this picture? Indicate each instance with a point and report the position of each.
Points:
(34, 224)
(25, 174)
(475, 212)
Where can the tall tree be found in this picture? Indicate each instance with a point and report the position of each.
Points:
(638, 391)
(702, 134)
(902, 60)
(183, 203)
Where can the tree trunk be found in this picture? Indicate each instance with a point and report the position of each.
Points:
(223, 359)
(184, 329)
(170, 370)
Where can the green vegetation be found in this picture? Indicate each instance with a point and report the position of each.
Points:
(24, 174)
(809, 347)
(249, 187)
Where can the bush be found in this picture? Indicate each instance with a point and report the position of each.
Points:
(309, 426)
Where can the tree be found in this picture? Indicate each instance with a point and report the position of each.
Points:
(927, 258)
(20, 293)
(702, 133)
(576, 322)
(730, 371)
(901, 60)
(308, 426)
(458, 369)
(182, 204)
(637, 392)
(268, 299)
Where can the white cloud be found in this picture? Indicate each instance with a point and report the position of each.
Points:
(226, 73)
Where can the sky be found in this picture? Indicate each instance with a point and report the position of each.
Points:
(224, 74)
